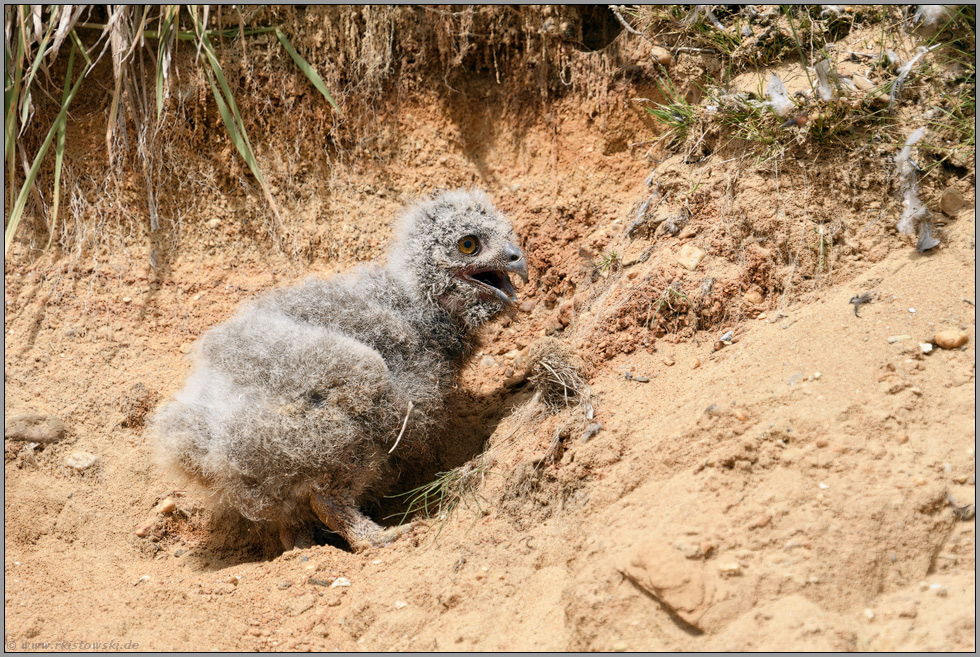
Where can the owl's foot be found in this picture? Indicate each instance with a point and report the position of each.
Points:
(387, 535)
(360, 532)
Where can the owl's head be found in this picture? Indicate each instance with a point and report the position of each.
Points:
(457, 250)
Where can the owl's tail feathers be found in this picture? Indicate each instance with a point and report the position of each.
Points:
(179, 438)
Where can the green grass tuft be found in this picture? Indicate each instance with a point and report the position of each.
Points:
(441, 497)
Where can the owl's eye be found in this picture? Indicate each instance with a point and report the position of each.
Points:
(468, 245)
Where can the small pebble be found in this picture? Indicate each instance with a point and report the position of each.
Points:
(719, 345)
(34, 428)
(690, 257)
(399, 604)
(730, 569)
(823, 486)
(869, 614)
(951, 339)
(80, 460)
(908, 611)
(696, 364)
(668, 362)
(862, 83)
(951, 201)
(620, 646)
(185, 348)
(898, 338)
(816, 376)
(339, 582)
(741, 415)
(144, 529)
(925, 347)
(662, 55)
(127, 299)
(166, 505)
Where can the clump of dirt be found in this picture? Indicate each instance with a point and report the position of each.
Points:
(807, 473)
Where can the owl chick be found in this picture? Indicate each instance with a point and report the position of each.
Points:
(309, 402)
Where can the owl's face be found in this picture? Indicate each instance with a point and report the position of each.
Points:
(461, 252)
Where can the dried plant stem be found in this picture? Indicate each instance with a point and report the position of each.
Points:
(404, 424)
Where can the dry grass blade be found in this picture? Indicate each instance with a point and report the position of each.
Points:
(23, 91)
(17, 210)
(36, 17)
(119, 42)
(59, 155)
(66, 23)
(35, 66)
(232, 121)
(11, 92)
(123, 39)
(165, 46)
(307, 69)
(229, 109)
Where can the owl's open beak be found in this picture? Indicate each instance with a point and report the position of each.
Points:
(496, 281)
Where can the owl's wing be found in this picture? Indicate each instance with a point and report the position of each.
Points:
(277, 355)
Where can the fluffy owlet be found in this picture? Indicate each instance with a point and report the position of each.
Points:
(308, 402)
